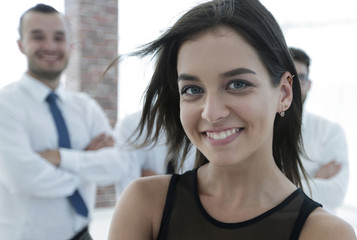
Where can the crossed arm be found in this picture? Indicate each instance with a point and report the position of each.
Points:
(328, 170)
(99, 142)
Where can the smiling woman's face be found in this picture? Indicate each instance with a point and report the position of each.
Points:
(227, 102)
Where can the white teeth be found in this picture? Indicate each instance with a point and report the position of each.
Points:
(222, 135)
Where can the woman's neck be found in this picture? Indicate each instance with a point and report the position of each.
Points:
(249, 189)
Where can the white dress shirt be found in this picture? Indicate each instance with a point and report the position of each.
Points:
(325, 141)
(33, 192)
(148, 158)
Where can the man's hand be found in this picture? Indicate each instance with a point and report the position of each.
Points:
(100, 141)
(328, 170)
(52, 156)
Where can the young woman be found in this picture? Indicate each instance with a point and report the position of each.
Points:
(224, 82)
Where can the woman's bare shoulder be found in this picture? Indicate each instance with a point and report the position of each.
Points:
(323, 225)
(147, 191)
(139, 209)
(149, 185)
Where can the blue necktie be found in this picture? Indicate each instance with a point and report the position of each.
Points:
(64, 141)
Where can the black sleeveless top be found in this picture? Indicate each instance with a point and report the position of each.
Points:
(185, 218)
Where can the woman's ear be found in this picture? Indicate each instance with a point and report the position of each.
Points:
(286, 92)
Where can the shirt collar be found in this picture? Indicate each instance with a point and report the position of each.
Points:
(38, 89)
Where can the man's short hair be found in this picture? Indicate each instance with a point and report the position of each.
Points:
(300, 56)
(40, 8)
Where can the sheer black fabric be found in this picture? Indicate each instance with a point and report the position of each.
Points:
(185, 218)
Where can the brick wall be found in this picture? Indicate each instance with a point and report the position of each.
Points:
(94, 27)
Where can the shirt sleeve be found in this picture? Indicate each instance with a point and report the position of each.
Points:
(103, 166)
(135, 158)
(331, 192)
(22, 170)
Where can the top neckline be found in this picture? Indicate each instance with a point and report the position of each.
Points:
(285, 202)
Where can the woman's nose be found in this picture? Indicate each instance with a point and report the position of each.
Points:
(215, 108)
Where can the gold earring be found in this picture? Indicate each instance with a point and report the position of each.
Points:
(290, 79)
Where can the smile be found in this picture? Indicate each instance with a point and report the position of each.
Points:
(49, 58)
(223, 134)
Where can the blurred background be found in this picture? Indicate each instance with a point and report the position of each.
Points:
(326, 30)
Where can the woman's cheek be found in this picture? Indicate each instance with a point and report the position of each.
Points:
(188, 117)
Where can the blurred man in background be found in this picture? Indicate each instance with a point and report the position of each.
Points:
(55, 145)
(326, 159)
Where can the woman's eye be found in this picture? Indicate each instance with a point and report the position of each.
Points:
(237, 85)
(191, 90)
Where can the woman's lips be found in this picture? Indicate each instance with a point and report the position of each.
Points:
(223, 137)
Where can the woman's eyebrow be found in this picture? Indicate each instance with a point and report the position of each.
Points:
(188, 77)
(230, 73)
(237, 71)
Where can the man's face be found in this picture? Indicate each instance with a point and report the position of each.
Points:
(305, 83)
(46, 45)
